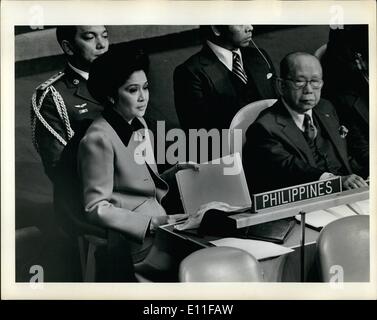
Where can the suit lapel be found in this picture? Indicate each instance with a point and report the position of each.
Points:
(120, 126)
(217, 73)
(329, 124)
(257, 70)
(361, 107)
(293, 133)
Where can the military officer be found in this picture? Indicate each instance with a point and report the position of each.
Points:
(60, 104)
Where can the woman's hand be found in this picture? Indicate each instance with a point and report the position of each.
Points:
(158, 221)
(186, 165)
(167, 219)
(174, 218)
(170, 173)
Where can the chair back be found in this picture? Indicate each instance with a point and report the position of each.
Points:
(242, 120)
(343, 250)
(220, 264)
(320, 51)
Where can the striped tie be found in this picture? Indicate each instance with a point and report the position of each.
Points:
(237, 68)
(309, 129)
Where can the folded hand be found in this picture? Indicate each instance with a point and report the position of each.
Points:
(353, 181)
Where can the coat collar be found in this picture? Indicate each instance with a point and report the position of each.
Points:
(123, 129)
(75, 81)
(207, 56)
(255, 69)
(216, 71)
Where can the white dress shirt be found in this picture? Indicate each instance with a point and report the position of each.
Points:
(298, 118)
(224, 55)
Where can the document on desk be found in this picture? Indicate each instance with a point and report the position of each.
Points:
(222, 180)
(361, 207)
(341, 211)
(320, 218)
(259, 249)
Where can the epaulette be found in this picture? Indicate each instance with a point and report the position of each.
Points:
(50, 81)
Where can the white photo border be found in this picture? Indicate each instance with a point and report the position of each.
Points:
(15, 13)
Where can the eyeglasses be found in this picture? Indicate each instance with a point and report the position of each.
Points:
(299, 84)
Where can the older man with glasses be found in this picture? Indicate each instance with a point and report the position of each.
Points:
(299, 139)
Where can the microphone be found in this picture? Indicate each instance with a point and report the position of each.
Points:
(268, 75)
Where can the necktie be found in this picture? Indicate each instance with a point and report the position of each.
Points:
(309, 129)
(237, 68)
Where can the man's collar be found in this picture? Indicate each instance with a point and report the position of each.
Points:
(223, 54)
(83, 74)
(298, 118)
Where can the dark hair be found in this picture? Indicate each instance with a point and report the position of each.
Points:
(65, 33)
(207, 33)
(111, 70)
(285, 63)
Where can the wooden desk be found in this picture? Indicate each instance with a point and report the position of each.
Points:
(292, 209)
(286, 268)
(302, 207)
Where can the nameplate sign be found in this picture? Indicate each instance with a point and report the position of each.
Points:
(296, 193)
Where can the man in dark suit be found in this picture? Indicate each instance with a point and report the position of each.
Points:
(299, 139)
(60, 104)
(346, 73)
(212, 85)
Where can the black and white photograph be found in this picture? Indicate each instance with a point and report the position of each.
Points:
(159, 149)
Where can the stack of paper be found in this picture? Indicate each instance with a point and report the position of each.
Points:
(320, 218)
(361, 207)
(221, 180)
(259, 249)
(341, 211)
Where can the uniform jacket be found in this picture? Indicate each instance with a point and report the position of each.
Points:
(203, 91)
(118, 192)
(276, 154)
(79, 105)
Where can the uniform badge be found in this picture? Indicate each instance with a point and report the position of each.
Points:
(80, 105)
